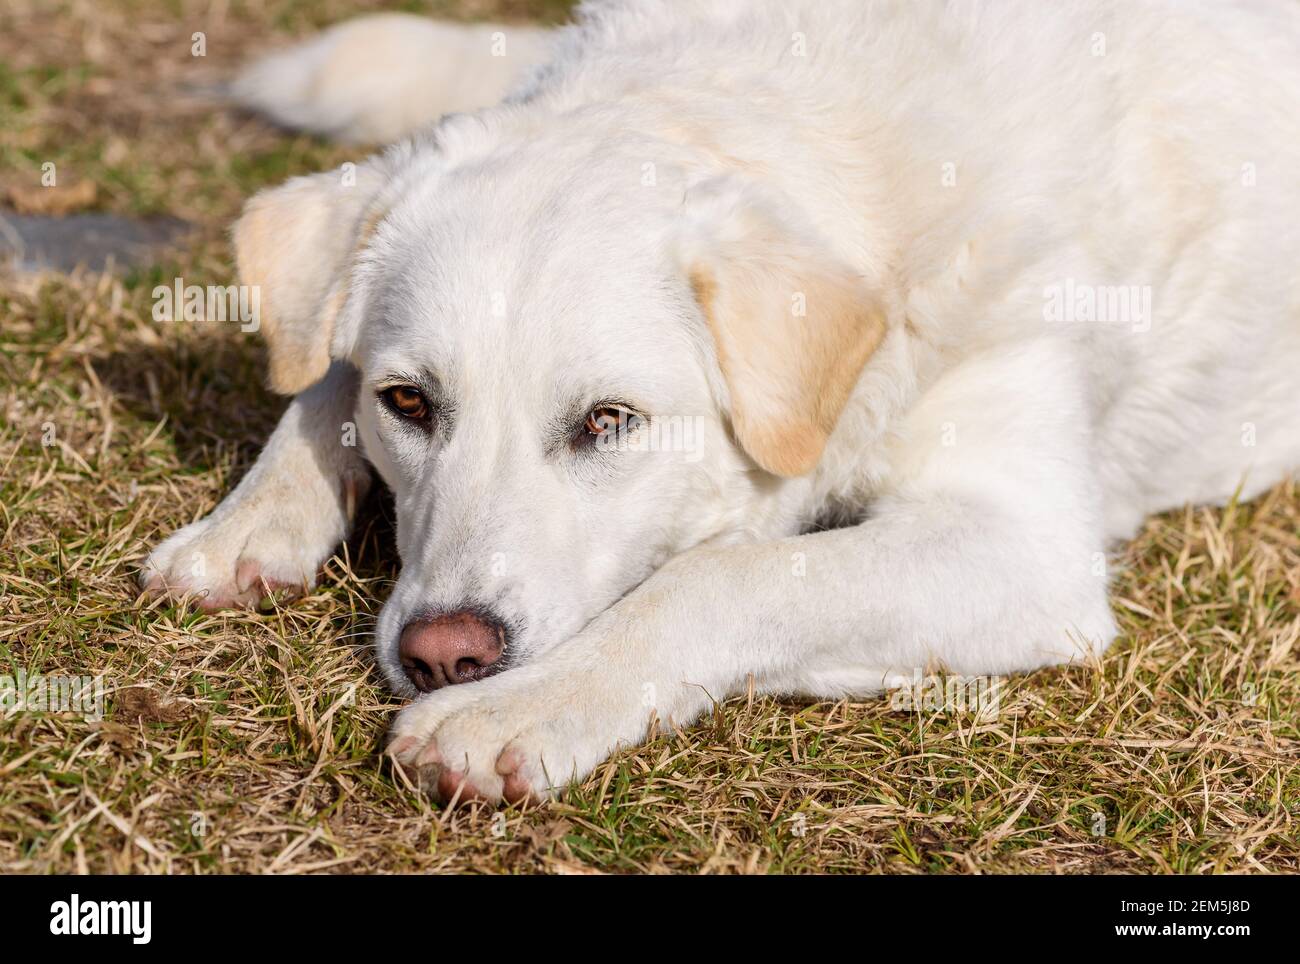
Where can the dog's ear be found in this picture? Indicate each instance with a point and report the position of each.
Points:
(793, 326)
(296, 244)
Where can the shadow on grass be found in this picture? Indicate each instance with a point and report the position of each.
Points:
(210, 390)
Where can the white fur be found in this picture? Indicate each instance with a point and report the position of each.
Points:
(966, 160)
(372, 80)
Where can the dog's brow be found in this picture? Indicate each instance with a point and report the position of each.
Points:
(425, 380)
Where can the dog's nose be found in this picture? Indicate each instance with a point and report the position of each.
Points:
(453, 648)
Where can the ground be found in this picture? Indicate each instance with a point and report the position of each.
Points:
(240, 742)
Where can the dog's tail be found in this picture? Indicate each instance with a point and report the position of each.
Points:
(375, 79)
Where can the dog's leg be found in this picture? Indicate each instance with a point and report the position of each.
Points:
(375, 79)
(984, 556)
(284, 518)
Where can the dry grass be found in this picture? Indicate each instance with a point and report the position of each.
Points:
(260, 729)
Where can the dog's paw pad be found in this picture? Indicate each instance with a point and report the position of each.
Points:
(516, 787)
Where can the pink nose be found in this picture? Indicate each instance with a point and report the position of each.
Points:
(454, 648)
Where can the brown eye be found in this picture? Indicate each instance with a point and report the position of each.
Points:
(406, 401)
(610, 420)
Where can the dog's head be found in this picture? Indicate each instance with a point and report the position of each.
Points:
(570, 372)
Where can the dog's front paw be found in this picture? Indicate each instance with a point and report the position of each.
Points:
(248, 549)
(518, 736)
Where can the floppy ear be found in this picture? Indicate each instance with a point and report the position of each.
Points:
(793, 327)
(296, 243)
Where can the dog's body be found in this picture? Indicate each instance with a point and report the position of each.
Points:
(984, 285)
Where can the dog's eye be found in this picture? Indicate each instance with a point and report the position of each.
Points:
(406, 400)
(608, 421)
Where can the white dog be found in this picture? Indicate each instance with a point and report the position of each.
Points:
(807, 344)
